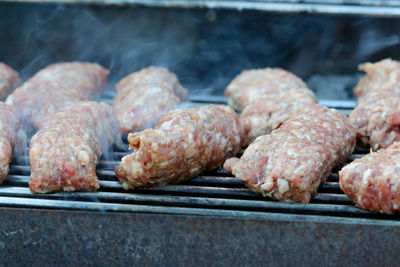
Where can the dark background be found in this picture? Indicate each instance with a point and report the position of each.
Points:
(206, 48)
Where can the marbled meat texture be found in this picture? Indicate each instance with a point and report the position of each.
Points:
(261, 117)
(373, 182)
(57, 86)
(143, 97)
(267, 98)
(66, 149)
(377, 116)
(9, 79)
(183, 144)
(380, 76)
(8, 127)
(292, 162)
(255, 85)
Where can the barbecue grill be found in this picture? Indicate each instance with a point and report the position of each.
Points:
(213, 218)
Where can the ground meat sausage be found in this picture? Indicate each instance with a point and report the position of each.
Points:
(184, 143)
(8, 127)
(66, 149)
(373, 182)
(264, 116)
(292, 162)
(144, 96)
(55, 87)
(9, 79)
(267, 98)
(377, 115)
(380, 76)
(254, 85)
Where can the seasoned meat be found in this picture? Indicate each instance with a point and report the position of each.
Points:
(377, 122)
(377, 116)
(8, 127)
(57, 86)
(373, 182)
(267, 97)
(144, 96)
(9, 79)
(66, 149)
(184, 143)
(261, 117)
(291, 162)
(380, 76)
(259, 84)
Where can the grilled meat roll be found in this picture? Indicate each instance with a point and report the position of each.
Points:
(66, 149)
(183, 144)
(57, 86)
(8, 126)
(373, 182)
(9, 79)
(267, 98)
(264, 116)
(255, 85)
(144, 96)
(377, 115)
(290, 163)
(380, 76)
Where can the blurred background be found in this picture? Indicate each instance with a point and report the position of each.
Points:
(206, 47)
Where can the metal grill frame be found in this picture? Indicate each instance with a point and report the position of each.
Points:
(388, 8)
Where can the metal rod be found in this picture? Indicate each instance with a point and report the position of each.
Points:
(79, 205)
(316, 208)
(281, 7)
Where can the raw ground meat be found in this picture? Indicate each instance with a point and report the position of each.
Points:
(8, 127)
(56, 86)
(377, 115)
(183, 144)
(264, 116)
(290, 163)
(65, 151)
(373, 182)
(254, 85)
(267, 97)
(143, 97)
(9, 79)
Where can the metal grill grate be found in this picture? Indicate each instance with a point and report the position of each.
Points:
(212, 193)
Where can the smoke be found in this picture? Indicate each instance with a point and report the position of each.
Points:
(205, 48)
(20, 151)
(372, 42)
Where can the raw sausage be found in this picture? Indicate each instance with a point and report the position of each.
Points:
(144, 96)
(8, 127)
(373, 182)
(57, 86)
(184, 143)
(65, 151)
(267, 97)
(377, 115)
(290, 163)
(9, 79)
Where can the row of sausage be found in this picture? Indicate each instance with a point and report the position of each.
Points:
(293, 142)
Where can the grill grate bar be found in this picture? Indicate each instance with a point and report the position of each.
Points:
(213, 190)
(116, 207)
(208, 185)
(202, 186)
(195, 202)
